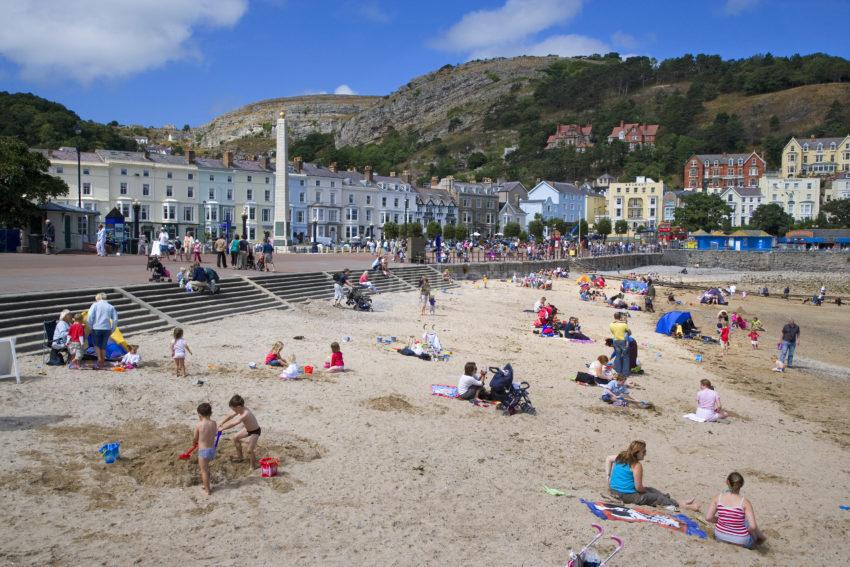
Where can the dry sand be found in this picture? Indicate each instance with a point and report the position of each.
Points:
(376, 471)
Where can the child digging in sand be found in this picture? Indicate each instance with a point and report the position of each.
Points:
(205, 441)
(249, 435)
(336, 363)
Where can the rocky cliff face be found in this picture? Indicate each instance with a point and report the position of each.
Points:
(305, 114)
(452, 98)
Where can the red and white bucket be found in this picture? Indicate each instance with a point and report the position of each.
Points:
(268, 467)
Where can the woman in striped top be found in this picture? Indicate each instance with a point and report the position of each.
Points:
(733, 516)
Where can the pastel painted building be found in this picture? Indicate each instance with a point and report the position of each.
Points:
(637, 202)
(808, 157)
(742, 202)
(799, 197)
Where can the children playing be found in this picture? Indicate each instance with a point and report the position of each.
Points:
(335, 363)
(132, 359)
(179, 348)
(205, 434)
(273, 358)
(76, 338)
(724, 338)
(616, 392)
(249, 435)
(432, 305)
(754, 339)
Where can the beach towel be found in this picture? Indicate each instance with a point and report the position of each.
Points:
(581, 341)
(694, 417)
(618, 512)
(443, 390)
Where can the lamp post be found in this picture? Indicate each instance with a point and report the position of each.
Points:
(204, 226)
(134, 248)
(78, 131)
(245, 221)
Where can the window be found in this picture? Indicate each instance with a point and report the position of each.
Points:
(123, 171)
(252, 213)
(250, 179)
(169, 191)
(299, 216)
(168, 175)
(395, 203)
(318, 215)
(146, 173)
(267, 195)
(368, 199)
(317, 183)
(333, 215)
(467, 217)
(212, 177)
(267, 215)
(350, 231)
(191, 176)
(86, 188)
(229, 179)
(188, 213)
(301, 197)
(267, 180)
(383, 201)
(85, 171)
(212, 213)
(211, 194)
(730, 198)
(318, 196)
(229, 194)
(252, 233)
(82, 224)
(144, 212)
(146, 190)
(301, 182)
(60, 169)
(227, 214)
(169, 211)
(333, 183)
(249, 195)
(124, 208)
(123, 188)
(350, 198)
(489, 218)
(368, 215)
(333, 198)
(351, 214)
(190, 192)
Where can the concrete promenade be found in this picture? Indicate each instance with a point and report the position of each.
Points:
(21, 273)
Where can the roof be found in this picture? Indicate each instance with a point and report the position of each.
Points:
(720, 157)
(751, 233)
(607, 176)
(433, 194)
(511, 210)
(700, 232)
(824, 141)
(510, 186)
(744, 191)
(642, 129)
(820, 233)
(60, 208)
(70, 154)
(249, 165)
(168, 159)
(119, 155)
(209, 163)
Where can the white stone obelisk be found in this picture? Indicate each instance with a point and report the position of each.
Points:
(282, 230)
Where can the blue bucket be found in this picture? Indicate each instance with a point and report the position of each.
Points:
(110, 452)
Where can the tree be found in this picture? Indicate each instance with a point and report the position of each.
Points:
(24, 182)
(535, 228)
(476, 160)
(621, 227)
(701, 211)
(413, 230)
(433, 230)
(603, 227)
(186, 127)
(390, 230)
(449, 232)
(523, 236)
(772, 219)
(512, 230)
(837, 212)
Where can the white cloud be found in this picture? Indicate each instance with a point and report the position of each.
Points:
(622, 39)
(87, 40)
(512, 29)
(735, 7)
(344, 90)
(373, 12)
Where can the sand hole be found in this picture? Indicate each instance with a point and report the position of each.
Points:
(391, 402)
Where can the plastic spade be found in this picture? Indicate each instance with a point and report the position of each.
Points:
(187, 454)
(217, 437)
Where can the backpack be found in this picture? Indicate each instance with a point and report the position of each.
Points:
(337, 277)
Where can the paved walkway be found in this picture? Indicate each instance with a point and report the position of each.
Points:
(20, 273)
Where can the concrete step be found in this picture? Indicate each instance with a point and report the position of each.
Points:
(57, 295)
(13, 311)
(184, 311)
(203, 317)
(33, 341)
(8, 324)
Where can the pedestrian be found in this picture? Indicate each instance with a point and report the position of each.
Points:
(788, 344)
(188, 242)
(101, 240)
(196, 252)
(234, 250)
(49, 236)
(102, 319)
(163, 242)
(243, 253)
(220, 252)
(649, 299)
(268, 255)
(424, 293)
(619, 332)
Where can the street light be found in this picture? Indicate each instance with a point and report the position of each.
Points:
(245, 221)
(134, 248)
(77, 132)
(204, 233)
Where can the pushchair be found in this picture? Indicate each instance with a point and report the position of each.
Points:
(513, 397)
(588, 557)
(159, 272)
(358, 299)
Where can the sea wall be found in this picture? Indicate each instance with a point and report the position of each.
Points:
(785, 261)
(507, 269)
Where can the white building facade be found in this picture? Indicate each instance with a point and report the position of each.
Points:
(799, 197)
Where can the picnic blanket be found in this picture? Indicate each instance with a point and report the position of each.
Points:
(581, 341)
(694, 417)
(444, 390)
(618, 512)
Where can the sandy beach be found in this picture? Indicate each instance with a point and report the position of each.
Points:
(377, 471)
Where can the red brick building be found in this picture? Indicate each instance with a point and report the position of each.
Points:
(635, 135)
(714, 173)
(573, 135)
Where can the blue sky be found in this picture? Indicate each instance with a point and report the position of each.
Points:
(185, 61)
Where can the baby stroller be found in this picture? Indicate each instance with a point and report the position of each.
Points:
(514, 397)
(159, 272)
(588, 557)
(358, 299)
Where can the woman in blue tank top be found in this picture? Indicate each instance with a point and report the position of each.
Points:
(625, 480)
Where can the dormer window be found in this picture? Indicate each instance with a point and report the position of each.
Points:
(806, 147)
(741, 161)
(731, 162)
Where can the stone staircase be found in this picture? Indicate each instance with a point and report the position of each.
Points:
(411, 275)
(237, 296)
(297, 288)
(23, 317)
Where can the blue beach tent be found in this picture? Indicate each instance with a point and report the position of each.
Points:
(667, 324)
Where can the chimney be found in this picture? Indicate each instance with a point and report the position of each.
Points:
(190, 155)
(392, 174)
(332, 167)
(368, 171)
(227, 160)
(405, 175)
(298, 163)
(434, 182)
(622, 124)
(264, 162)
